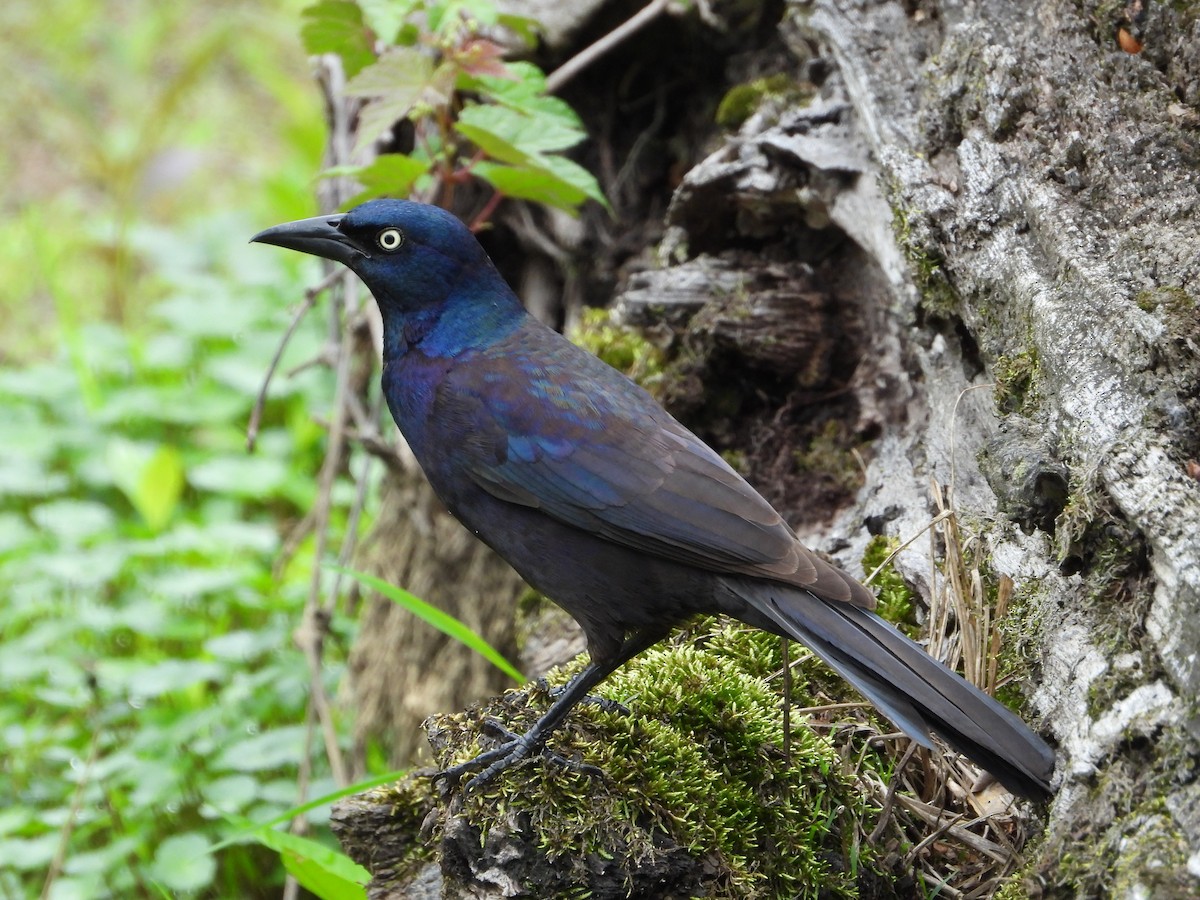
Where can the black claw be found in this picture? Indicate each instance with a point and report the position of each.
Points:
(572, 765)
(493, 762)
(604, 703)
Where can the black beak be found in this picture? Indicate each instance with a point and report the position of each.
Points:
(318, 236)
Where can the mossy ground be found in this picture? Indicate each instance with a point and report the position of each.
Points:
(694, 764)
(625, 349)
(830, 456)
(894, 595)
(938, 297)
(695, 760)
(1017, 377)
(743, 100)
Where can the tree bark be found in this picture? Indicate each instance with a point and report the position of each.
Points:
(1046, 190)
(974, 228)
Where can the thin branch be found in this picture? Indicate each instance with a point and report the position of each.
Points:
(310, 298)
(68, 826)
(590, 54)
(484, 214)
(316, 615)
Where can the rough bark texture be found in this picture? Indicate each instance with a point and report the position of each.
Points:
(963, 250)
(1047, 192)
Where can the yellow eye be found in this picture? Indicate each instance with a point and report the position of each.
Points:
(389, 239)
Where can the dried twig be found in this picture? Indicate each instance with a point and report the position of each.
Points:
(593, 52)
(260, 402)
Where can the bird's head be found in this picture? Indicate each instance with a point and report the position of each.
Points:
(411, 255)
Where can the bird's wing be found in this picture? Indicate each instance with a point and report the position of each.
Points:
(589, 448)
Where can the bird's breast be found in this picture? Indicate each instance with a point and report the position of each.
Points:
(410, 386)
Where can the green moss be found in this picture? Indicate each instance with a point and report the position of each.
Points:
(695, 763)
(410, 803)
(1109, 688)
(741, 101)
(625, 349)
(830, 453)
(1142, 853)
(1095, 540)
(1021, 641)
(1017, 382)
(1026, 881)
(1153, 856)
(938, 297)
(1172, 301)
(895, 596)
(737, 461)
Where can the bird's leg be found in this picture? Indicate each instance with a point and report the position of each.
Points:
(518, 747)
(604, 704)
(511, 738)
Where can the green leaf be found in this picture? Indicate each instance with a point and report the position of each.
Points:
(270, 750)
(323, 871)
(26, 478)
(73, 520)
(443, 622)
(182, 863)
(241, 476)
(400, 71)
(510, 135)
(523, 27)
(360, 787)
(386, 17)
(390, 175)
(402, 77)
(336, 26)
(15, 533)
(319, 881)
(527, 92)
(570, 172)
(150, 476)
(76, 568)
(451, 15)
(29, 854)
(156, 679)
(230, 794)
(535, 181)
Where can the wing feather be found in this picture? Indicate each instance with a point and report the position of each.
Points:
(614, 463)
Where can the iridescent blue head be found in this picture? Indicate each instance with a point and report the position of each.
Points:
(419, 261)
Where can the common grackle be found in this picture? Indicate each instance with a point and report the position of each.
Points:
(604, 502)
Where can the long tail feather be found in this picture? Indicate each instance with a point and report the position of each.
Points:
(911, 688)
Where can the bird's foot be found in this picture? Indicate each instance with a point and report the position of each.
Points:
(515, 747)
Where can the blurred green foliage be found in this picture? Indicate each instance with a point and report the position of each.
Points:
(151, 685)
(121, 119)
(152, 692)
(472, 114)
(153, 711)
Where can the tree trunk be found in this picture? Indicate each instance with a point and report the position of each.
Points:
(987, 216)
(1046, 193)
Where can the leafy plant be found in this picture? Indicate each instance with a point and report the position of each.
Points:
(128, 119)
(150, 687)
(152, 695)
(443, 622)
(471, 113)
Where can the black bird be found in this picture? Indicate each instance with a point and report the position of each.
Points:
(604, 502)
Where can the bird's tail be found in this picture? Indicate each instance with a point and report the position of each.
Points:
(910, 687)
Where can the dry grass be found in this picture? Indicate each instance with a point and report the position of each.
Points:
(943, 820)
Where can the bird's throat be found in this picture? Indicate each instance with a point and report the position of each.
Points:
(461, 323)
